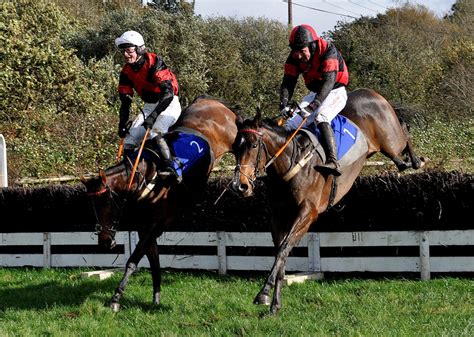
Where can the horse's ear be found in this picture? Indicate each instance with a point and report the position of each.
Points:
(239, 120)
(258, 117)
(83, 179)
(103, 176)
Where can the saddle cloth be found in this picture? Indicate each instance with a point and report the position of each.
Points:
(350, 141)
(191, 150)
(193, 155)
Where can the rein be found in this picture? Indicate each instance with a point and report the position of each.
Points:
(280, 151)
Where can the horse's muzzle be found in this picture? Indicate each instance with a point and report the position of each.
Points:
(243, 189)
(107, 242)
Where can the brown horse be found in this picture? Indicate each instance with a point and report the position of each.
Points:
(299, 191)
(151, 202)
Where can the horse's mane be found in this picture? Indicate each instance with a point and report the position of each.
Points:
(271, 124)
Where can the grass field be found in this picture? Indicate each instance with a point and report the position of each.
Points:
(58, 302)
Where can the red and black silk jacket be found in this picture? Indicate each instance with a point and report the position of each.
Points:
(153, 81)
(325, 58)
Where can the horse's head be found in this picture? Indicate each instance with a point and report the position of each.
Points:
(107, 208)
(251, 154)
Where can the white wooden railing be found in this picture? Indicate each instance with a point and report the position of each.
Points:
(424, 263)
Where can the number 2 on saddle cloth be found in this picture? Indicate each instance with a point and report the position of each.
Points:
(193, 156)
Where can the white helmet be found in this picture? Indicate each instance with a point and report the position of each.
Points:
(130, 38)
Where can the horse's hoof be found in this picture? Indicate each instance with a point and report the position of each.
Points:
(273, 310)
(262, 299)
(115, 306)
(418, 163)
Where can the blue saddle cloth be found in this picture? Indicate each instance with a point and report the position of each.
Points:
(345, 133)
(192, 152)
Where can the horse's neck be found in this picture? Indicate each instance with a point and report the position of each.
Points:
(118, 176)
(274, 142)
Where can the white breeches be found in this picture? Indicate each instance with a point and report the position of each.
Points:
(332, 105)
(163, 122)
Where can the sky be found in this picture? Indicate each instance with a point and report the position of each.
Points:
(322, 21)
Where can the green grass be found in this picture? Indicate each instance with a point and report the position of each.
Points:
(58, 302)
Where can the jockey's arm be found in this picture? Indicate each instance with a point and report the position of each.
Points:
(124, 109)
(328, 84)
(165, 99)
(287, 89)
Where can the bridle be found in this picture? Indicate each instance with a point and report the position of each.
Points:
(116, 204)
(261, 148)
(116, 201)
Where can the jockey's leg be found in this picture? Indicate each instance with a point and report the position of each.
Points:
(328, 141)
(163, 122)
(327, 111)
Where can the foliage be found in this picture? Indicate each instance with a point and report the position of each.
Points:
(51, 101)
(58, 107)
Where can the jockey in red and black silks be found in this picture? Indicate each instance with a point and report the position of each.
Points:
(150, 77)
(326, 76)
(146, 74)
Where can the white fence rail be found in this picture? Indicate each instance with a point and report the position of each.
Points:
(223, 261)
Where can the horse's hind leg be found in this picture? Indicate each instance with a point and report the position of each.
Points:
(412, 160)
(415, 161)
(154, 259)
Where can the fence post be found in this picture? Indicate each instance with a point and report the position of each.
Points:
(3, 163)
(127, 251)
(46, 250)
(314, 253)
(425, 272)
(221, 253)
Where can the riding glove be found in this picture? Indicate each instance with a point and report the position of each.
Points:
(122, 131)
(285, 112)
(314, 104)
(283, 104)
(304, 112)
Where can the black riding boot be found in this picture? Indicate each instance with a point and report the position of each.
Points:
(328, 142)
(165, 154)
(127, 153)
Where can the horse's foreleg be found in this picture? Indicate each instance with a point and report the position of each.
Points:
(276, 303)
(154, 259)
(306, 215)
(130, 268)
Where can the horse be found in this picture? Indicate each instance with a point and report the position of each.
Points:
(208, 127)
(299, 191)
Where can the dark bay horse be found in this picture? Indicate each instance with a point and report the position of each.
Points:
(153, 203)
(299, 192)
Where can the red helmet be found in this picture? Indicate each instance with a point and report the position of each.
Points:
(301, 36)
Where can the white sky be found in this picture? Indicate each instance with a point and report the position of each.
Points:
(322, 22)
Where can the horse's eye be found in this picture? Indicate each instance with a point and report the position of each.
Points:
(254, 145)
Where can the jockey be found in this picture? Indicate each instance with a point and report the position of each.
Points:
(155, 83)
(326, 76)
